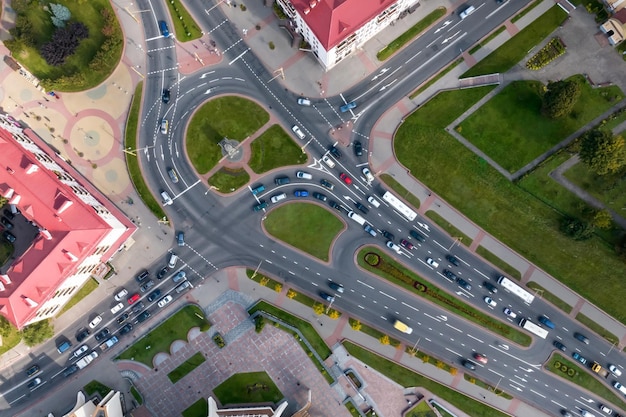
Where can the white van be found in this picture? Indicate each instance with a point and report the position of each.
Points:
(167, 200)
(276, 198)
(357, 218)
(328, 161)
(373, 201)
(619, 387)
(173, 260)
(467, 12)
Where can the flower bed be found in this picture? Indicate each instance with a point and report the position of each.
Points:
(553, 49)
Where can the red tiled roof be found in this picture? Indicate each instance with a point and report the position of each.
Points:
(620, 16)
(73, 227)
(334, 20)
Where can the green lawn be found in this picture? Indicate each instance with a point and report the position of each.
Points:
(585, 380)
(548, 296)
(499, 263)
(159, 340)
(407, 378)
(518, 219)
(198, 409)
(305, 226)
(273, 149)
(248, 388)
(488, 39)
(96, 387)
(506, 127)
(229, 180)
(422, 409)
(411, 34)
(136, 395)
(185, 28)
(132, 162)
(377, 334)
(6, 251)
(599, 329)
(84, 291)
(448, 227)
(516, 48)
(232, 117)
(184, 368)
(305, 327)
(401, 276)
(77, 65)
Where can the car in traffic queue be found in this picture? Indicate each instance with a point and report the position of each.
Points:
(345, 178)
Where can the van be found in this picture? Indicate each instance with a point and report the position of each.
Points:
(173, 260)
(164, 30)
(373, 201)
(167, 200)
(64, 347)
(328, 161)
(619, 387)
(182, 287)
(546, 321)
(298, 132)
(360, 220)
(398, 325)
(467, 12)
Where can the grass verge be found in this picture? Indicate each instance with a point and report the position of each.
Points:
(132, 162)
(228, 180)
(136, 395)
(198, 409)
(422, 409)
(273, 149)
(396, 273)
(499, 263)
(516, 48)
(526, 10)
(185, 27)
(224, 117)
(408, 378)
(505, 127)
(488, 39)
(186, 367)
(400, 190)
(553, 299)
(377, 334)
(411, 34)
(159, 340)
(248, 388)
(265, 280)
(448, 227)
(610, 337)
(94, 387)
(486, 386)
(436, 78)
(84, 291)
(305, 226)
(584, 379)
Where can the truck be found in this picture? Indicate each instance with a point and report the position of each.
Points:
(106, 345)
(598, 369)
(86, 360)
(357, 218)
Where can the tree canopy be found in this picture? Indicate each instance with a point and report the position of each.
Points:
(560, 98)
(602, 152)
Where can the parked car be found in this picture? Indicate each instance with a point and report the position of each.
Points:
(334, 205)
(143, 316)
(163, 272)
(276, 198)
(142, 276)
(121, 319)
(93, 323)
(126, 329)
(304, 175)
(358, 148)
(102, 334)
(82, 335)
(10, 237)
(154, 295)
(117, 308)
(133, 298)
(121, 294)
(6, 223)
(282, 180)
(138, 307)
(301, 193)
(80, 351)
(262, 205)
(164, 301)
(145, 287)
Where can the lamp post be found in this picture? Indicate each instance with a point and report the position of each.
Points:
(456, 240)
(332, 300)
(133, 152)
(415, 346)
(257, 269)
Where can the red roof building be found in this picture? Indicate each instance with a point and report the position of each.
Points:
(336, 28)
(64, 228)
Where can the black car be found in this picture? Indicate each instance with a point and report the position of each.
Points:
(454, 261)
(449, 274)
(490, 287)
(335, 152)
(327, 184)
(358, 148)
(320, 196)
(138, 307)
(163, 272)
(126, 329)
(154, 295)
(32, 370)
(102, 334)
(145, 287)
(121, 319)
(143, 316)
(165, 96)
(327, 296)
(34, 383)
(6, 223)
(417, 236)
(282, 180)
(142, 276)
(9, 236)
(71, 370)
(9, 214)
(82, 335)
(334, 205)
(361, 207)
(469, 365)
(388, 236)
(560, 346)
(463, 284)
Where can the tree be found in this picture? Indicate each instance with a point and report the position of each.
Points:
(37, 332)
(60, 14)
(318, 308)
(576, 229)
(560, 98)
(5, 327)
(602, 219)
(384, 340)
(64, 43)
(602, 152)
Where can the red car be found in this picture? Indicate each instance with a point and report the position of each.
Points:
(480, 357)
(345, 178)
(133, 298)
(406, 244)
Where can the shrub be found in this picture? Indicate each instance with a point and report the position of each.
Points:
(333, 314)
(318, 308)
(264, 281)
(372, 259)
(291, 294)
(219, 340)
(384, 340)
(355, 324)
(553, 49)
(278, 287)
(259, 323)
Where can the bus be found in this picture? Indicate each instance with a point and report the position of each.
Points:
(397, 204)
(516, 289)
(533, 328)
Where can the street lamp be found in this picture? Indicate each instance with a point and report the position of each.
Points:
(257, 269)
(332, 300)
(133, 152)
(456, 240)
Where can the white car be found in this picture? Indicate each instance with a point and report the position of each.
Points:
(432, 262)
(276, 198)
(509, 313)
(368, 174)
(121, 295)
(79, 352)
(304, 101)
(328, 161)
(296, 129)
(394, 247)
(164, 301)
(164, 126)
(615, 370)
(606, 409)
(95, 322)
(490, 302)
(118, 307)
(373, 201)
(304, 175)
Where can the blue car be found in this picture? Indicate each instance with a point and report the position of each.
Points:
(164, 30)
(301, 193)
(347, 106)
